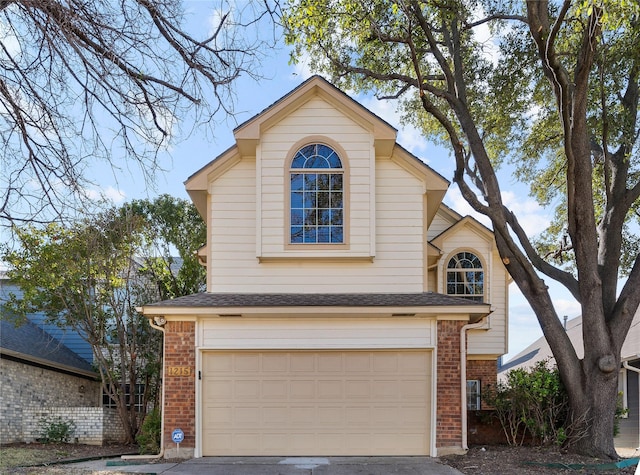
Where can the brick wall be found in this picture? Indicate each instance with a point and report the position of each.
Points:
(24, 385)
(482, 427)
(180, 387)
(449, 418)
(93, 425)
(484, 370)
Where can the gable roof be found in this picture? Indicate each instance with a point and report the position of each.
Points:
(248, 133)
(539, 350)
(470, 222)
(31, 344)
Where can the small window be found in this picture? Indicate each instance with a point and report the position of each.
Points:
(136, 399)
(465, 276)
(473, 395)
(317, 196)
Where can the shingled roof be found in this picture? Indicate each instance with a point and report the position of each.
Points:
(30, 343)
(224, 300)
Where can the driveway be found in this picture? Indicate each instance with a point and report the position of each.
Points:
(280, 466)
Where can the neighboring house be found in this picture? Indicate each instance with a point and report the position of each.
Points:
(67, 336)
(347, 312)
(46, 373)
(38, 371)
(628, 378)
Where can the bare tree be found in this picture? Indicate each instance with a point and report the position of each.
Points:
(88, 80)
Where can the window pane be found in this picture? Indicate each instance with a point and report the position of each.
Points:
(309, 234)
(336, 217)
(323, 182)
(334, 161)
(297, 199)
(309, 199)
(336, 182)
(336, 234)
(322, 199)
(296, 234)
(324, 217)
(310, 217)
(296, 181)
(324, 234)
(310, 182)
(296, 217)
(336, 199)
(316, 162)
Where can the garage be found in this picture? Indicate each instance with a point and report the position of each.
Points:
(319, 402)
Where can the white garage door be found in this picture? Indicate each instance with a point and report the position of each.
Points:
(316, 403)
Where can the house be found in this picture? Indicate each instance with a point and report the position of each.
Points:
(347, 311)
(46, 375)
(628, 376)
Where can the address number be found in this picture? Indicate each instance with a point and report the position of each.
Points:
(179, 371)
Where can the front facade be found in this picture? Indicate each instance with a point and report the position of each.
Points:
(347, 312)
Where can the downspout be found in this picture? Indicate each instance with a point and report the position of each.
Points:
(158, 324)
(463, 373)
(627, 366)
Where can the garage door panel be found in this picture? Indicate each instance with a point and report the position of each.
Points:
(274, 389)
(316, 403)
(275, 363)
(302, 389)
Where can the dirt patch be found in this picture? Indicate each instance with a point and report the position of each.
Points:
(39, 458)
(505, 460)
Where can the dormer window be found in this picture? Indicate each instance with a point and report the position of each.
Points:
(465, 276)
(317, 196)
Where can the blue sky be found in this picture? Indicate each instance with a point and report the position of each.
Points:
(203, 145)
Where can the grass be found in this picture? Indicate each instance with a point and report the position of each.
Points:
(11, 457)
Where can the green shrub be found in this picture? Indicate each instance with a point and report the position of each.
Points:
(56, 430)
(149, 437)
(531, 404)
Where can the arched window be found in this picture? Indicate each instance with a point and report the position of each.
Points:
(465, 276)
(317, 194)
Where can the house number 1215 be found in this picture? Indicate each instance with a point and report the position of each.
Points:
(178, 371)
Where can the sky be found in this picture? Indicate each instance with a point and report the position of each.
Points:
(202, 146)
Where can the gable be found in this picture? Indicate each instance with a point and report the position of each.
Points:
(248, 134)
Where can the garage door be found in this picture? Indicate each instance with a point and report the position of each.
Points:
(316, 403)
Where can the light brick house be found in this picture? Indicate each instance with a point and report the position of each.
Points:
(347, 309)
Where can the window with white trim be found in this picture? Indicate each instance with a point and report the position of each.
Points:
(473, 395)
(465, 276)
(317, 196)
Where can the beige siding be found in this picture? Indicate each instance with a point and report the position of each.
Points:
(441, 222)
(494, 340)
(314, 333)
(232, 226)
(236, 264)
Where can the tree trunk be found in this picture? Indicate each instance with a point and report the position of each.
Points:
(593, 412)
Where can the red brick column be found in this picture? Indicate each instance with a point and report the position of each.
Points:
(484, 370)
(449, 423)
(180, 387)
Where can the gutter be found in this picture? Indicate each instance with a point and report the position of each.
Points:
(463, 373)
(158, 324)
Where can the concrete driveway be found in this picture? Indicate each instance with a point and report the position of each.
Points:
(279, 466)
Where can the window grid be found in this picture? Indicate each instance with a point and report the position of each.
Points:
(473, 395)
(317, 199)
(465, 277)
